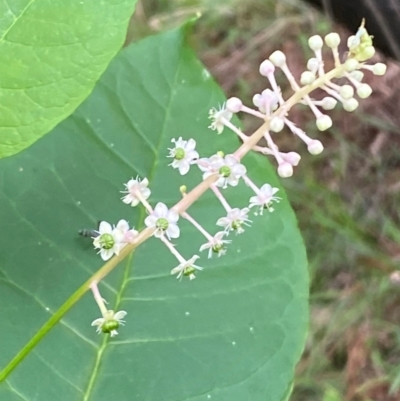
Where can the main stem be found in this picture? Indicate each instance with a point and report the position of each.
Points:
(180, 207)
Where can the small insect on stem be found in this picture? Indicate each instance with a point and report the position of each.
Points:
(88, 232)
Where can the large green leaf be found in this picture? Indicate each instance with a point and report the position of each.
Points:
(234, 333)
(52, 54)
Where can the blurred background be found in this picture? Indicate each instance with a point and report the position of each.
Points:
(347, 200)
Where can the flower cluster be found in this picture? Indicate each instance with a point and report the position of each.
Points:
(220, 171)
(273, 109)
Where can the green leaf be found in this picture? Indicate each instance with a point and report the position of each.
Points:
(52, 54)
(235, 333)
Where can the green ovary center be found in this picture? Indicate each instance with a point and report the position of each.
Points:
(179, 154)
(225, 171)
(107, 241)
(188, 271)
(236, 224)
(217, 248)
(109, 326)
(162, 223)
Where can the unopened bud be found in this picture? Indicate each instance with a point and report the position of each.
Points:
(307, 77)
(352, 42)
(346, 91)
(379, 69)
(357, 75)
(266, 68)
(234, 104)
(315, 147)
(278, 58)
(332, 40)
(277, 124)
(315, 43)
(324, 122)
(328, 103)
(313, 64)
(351, 64)
(350, 104)
(292, 157)
(364, 90)
(285, 170)
(183, 189)
(366, 53)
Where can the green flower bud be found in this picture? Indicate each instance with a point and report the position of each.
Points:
(277, 58)
(307, 77)
(379, 69)
(350, 104)
(332, 40)
(346, 92)
(277, 124)
(364, 90)
(315, 43)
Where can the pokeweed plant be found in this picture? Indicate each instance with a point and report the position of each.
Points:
(238, 330)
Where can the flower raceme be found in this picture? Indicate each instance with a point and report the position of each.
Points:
(273, 109)
(219, 171)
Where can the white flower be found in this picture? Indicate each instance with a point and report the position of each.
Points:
(164, 221)
(264, 198)
(109, 240)
(110, 322)
(235, 220)
(266, 102)
(228, 168)
(187, 268)
(216, 244)
(183, 154)
(135, 188)
(217, 117)
(128, 234)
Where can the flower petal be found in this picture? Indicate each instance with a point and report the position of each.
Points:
(191, 144)
(120, 315)
(123, 225)
(98, 322)
(105, 228)
(106, 254)
(173, 231)
(184, 167)
(161, 210)
(173, 216)
(150, 221)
